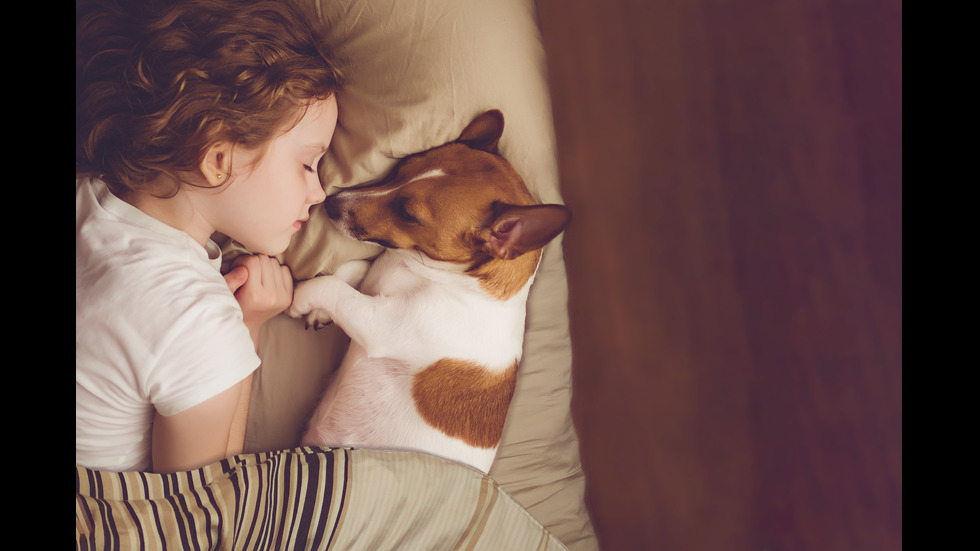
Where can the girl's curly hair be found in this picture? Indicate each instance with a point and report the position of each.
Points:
(158, 82)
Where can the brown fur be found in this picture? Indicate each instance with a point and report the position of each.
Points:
(465, 400)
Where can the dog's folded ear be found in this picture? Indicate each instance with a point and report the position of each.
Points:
(518, 230)
(484, 131)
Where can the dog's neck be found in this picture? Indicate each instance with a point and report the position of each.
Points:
(500, 279)
(439, 271)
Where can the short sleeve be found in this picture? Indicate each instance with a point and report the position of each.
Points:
(207, 349)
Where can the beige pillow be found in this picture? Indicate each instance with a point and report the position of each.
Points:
(418, 73)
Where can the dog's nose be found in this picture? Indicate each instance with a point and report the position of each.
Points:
(333, 209)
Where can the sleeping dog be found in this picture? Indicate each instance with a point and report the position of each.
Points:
(437, 320)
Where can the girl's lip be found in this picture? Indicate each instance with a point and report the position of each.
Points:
(299, 223)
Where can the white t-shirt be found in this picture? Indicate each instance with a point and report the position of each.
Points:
(156, 328)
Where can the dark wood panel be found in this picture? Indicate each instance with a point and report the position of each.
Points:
(734, 267)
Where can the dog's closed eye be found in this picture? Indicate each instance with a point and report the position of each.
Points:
(402, 210)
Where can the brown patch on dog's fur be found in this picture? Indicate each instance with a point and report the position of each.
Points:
(465, 400)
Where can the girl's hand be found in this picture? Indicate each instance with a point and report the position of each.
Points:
(263, 287)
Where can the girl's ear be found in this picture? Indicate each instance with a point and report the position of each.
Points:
(216, 164)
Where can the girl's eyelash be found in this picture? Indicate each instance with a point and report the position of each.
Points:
(309, 169)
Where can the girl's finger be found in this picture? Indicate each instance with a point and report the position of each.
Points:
(287, 279)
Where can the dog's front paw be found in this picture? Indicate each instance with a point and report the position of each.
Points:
(306, 303)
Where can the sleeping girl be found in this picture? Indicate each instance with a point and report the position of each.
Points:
(192, 117)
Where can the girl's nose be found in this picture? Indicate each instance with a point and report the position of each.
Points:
(317, 194)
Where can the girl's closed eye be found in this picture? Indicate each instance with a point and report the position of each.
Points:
(309, 169)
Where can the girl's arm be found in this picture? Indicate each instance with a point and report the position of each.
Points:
(236, 437)
(198, 435)
(215, 428)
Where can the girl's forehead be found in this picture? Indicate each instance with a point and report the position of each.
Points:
(311, 134)
(315, 129)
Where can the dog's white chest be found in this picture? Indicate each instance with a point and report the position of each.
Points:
(444, 319)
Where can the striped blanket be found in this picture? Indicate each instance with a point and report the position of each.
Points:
(304, 498)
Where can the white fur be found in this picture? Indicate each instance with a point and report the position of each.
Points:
(433, 173)
(410, 312)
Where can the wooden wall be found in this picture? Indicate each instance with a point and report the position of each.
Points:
(735, 268)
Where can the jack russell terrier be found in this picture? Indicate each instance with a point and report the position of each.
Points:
(437, 324)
